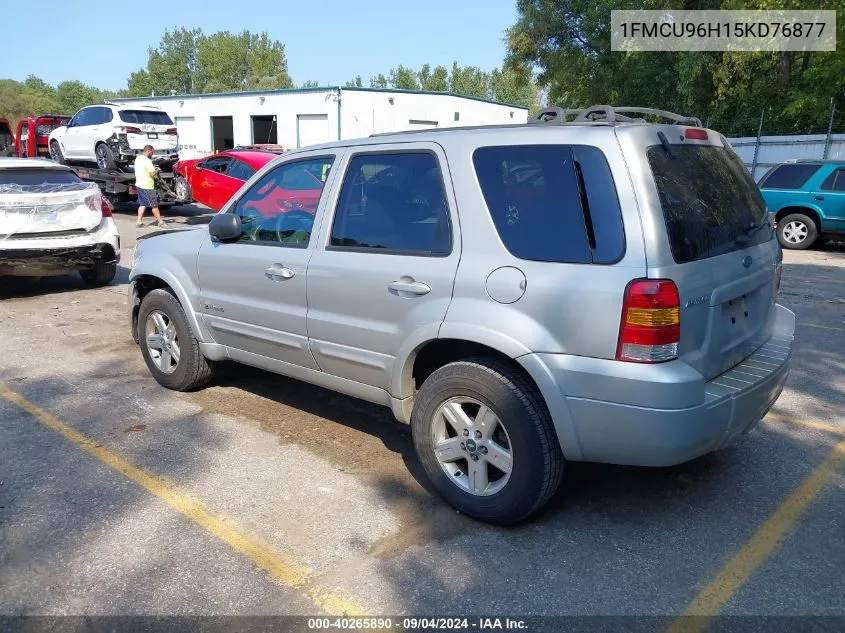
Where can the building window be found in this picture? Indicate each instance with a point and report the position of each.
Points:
(457, 116)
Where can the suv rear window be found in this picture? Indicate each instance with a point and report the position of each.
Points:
(552, 203)
(711, 205)
(145, 116)
(29, 177)
(788, 176)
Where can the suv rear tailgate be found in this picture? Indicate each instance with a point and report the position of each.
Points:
(707, 230)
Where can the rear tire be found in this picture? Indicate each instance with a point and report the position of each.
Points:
(191, 370)
(102, 274)
(527, 435)
(56, 152)
(797, 231)
(105, 157)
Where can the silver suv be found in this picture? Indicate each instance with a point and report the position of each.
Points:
(595, 290)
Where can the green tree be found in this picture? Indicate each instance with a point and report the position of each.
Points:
(568, 43)
(379, 81)
(140, 84)
(403, 78)
(435, 81)
(470, 81)
(73, 95)
(266, 58)
(354, 83)
(223, 59)
(310, 84)
(514, 84)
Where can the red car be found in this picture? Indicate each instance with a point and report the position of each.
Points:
(213, 180)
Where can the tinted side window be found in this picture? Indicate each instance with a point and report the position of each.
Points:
(393, 202)
(217, 164)
(240, 170)
(554, 203)
(84, 117)
(272, 213)
(107, 115)
(792, 176)
(835, 181)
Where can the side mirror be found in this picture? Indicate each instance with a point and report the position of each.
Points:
(199, 167)
(225, 227)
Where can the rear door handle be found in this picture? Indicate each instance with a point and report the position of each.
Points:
(408, 288)
(819, 197)
(277, 272)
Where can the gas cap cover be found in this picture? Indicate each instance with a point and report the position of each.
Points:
(506, 284)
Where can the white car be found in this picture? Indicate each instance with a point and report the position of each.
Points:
(113, 135)
(54, 223)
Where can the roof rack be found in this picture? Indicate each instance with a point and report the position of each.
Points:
(607, 114)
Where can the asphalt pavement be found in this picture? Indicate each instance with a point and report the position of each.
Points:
(264, 495)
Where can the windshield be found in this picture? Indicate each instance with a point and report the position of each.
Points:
(145, 116)
(710, 204)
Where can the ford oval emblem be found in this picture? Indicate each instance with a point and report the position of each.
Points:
(746, 261)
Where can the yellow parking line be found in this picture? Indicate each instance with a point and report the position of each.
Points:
(277, 566)
(757, 549)
(822, 327)
(819, 426)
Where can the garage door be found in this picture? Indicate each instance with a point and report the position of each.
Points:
(190, 145)
(311, 129)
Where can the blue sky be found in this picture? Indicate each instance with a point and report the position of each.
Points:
(329, 41)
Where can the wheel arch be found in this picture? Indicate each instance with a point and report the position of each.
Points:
(811, 211)
(145, 281)
(429, 354)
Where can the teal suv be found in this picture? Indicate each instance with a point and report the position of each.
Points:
(807, 199)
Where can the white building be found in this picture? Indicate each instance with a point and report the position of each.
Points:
(298, 117)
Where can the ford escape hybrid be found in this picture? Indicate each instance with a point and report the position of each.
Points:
(601, 289)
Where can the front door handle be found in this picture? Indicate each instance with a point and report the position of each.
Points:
(819, 197)
(407, 287)
(277, 272)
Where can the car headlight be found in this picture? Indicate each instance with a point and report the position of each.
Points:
(136, 253)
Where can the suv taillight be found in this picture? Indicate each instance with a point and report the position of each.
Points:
(106, 208)
(132, 130)
(171, 130)
(651, 322)
(779, 268)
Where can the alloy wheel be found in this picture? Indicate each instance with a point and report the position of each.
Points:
(162, 341)
(472, 446)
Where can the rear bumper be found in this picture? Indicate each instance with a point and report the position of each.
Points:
(605, 430)
(57, 254)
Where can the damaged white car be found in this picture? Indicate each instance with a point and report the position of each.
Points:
(54, 223)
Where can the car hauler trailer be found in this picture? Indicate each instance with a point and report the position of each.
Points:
(119, 186)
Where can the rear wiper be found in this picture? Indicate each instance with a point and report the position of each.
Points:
(752, 228)
(667, 147)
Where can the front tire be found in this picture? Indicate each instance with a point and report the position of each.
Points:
(486, 440)
(796, 231)
(104, 156)
(56, 152)
(169, 347)
(183, 189)
(102, 274)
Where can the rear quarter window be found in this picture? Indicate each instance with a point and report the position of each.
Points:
(793, 176)
(554, 203)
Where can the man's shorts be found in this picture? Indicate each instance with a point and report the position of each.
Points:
(147, 197)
